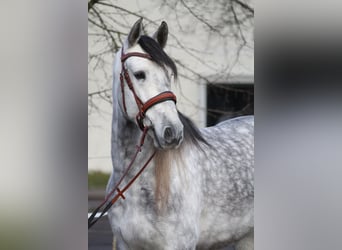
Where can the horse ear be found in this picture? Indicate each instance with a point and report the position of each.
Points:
(161, 34)
(135, 33)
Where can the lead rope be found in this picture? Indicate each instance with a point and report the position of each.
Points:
(92, 220)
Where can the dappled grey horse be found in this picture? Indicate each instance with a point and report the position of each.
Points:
(198, 190)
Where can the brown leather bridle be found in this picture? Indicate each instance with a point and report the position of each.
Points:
(142, 107)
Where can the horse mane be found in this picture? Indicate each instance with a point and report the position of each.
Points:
(164, 159)
(192, 135)
(151, 47)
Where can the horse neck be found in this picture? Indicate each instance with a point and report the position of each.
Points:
(125, 137)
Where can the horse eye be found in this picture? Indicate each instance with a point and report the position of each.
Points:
(140, 75)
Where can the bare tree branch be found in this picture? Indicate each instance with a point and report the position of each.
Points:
(238, 25)
(109, 24)
(105, 28)
(245, 6)
(91, 3)
(199, 18)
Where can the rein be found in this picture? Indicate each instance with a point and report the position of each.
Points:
(120, 193)
(142, 107)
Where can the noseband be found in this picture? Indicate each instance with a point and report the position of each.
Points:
(142, 107)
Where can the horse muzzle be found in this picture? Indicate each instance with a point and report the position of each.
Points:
(168, 137)
(172, 137)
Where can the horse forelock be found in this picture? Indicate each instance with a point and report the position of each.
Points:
(158, 55)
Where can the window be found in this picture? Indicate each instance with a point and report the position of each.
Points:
(225, 101)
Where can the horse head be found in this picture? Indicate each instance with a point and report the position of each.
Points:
(147, 74)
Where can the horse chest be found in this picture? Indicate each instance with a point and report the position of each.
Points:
(134, 222)
(138, 222)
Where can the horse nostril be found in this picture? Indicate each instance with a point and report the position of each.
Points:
(168, 134)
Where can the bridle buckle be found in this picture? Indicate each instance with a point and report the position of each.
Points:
(140, 120)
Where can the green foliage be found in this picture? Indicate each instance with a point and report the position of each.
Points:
(97, 180)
